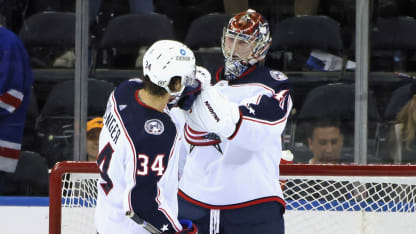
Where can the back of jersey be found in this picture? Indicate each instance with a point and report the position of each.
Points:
(136, 145)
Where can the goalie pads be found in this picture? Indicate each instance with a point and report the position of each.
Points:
(212, 112)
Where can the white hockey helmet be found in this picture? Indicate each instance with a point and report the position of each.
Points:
(166, 59)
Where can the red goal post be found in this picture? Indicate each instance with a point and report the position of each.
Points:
(345, 198)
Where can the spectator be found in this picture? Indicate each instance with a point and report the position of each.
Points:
(15, 86)
(326, 142)
(94, 127)
(402, 136)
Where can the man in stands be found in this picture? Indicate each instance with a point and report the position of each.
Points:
(325, 142)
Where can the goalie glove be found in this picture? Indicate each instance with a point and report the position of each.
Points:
(212, 112)
(189, 94)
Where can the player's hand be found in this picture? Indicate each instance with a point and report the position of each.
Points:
(189, 94)
(188, 227)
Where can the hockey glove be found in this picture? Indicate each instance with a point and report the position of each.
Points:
(189, 94)
(188, 227)
(212, 112)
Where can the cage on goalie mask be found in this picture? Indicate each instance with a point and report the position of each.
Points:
(246, 38)
(166, 59)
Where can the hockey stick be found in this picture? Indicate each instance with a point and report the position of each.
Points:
(150, 228)
(404, 75)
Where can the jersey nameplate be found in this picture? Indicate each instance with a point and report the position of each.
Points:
(111, 124)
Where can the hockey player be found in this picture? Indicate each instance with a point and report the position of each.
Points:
(15, 85)
(138, 159)
(233, 139)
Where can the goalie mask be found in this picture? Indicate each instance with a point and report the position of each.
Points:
(245, 41)
(166, 59)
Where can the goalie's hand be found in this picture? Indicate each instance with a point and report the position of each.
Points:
(212, 112)
(189, 94)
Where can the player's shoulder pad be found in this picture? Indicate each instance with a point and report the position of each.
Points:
(278, 75)
(274, 79)
(131, 84)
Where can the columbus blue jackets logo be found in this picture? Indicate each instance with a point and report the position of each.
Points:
(154, 127)
(277, 75)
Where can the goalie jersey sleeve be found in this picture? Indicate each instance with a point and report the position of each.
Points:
(138, 164)
(264, 107)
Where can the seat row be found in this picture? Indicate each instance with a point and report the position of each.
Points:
(390, 38)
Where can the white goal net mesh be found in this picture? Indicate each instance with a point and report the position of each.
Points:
(328, 204)
(315, 204)
(79, 194)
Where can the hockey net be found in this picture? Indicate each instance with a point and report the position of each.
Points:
(320, 198)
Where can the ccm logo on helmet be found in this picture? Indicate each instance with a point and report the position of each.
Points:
(211, 110)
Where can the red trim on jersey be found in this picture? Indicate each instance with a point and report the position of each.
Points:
(173, 148)
(234, 206)
(198, 140)
(217, 75)
(165, 212)
(194, 131)
(130, 142)
(237, 126)
(136, 95)
(256, 84)
(10, 100)
(264, 122)
(9, 153)
(206, 143)
(247, 72)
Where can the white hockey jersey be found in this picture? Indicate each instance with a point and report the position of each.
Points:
(243, 170)
(138, 163)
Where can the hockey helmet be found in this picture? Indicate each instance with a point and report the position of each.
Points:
(166, 59)
(246, 37)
